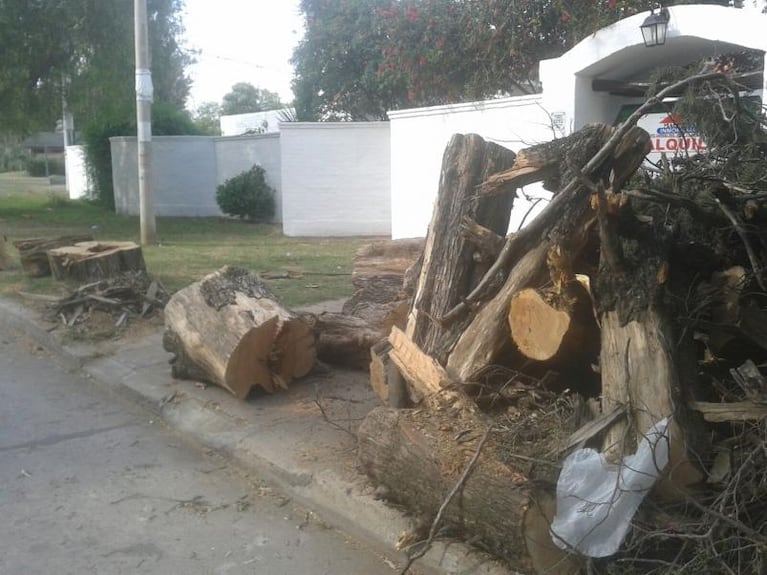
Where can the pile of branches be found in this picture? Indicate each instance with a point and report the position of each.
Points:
(125, 296)
(713, 206)
(637, 296)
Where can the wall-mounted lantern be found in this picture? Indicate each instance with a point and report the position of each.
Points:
(654, 28)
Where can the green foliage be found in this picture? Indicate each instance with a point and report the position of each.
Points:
(247, 196)
(245, 98)
(90, 44)
(206, 118)
(98, 155)
(169, 120)
(13, 156)
(39, 167)
(361, 58)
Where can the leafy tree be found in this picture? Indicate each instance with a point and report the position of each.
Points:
(245, 98)
(206, 117)
(89, 42)
(338, 62)
(360, 58)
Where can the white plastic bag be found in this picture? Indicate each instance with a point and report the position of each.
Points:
(596, 500)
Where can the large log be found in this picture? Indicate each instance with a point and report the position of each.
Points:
(385, 259)
(420, 455)
(344, 339)
(378, 277)
(415, 456)
(229, 329)
(92, 261)
(448, 265)
(33, 252)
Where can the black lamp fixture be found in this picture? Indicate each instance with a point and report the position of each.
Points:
(654, 28)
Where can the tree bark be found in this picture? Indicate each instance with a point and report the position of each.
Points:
(92, 261)
(33, 252)
(229, 329)
(414, 454)
(344, 339)
(448, 265)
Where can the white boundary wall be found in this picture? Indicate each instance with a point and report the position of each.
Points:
(418, 140)
(336, 178)
(186, 170)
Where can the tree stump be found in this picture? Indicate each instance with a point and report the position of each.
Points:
(228, 329)
(93, 261)
(33, 252)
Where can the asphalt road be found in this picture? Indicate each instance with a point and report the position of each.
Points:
(91, 483)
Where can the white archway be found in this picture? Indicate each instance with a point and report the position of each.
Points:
(617, 53)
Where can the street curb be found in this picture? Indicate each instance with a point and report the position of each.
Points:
(338, 501)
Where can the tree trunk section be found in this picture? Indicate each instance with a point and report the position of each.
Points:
(229, 330)
(93, 261)
(448, 265)
(543, 331)
(33, 252)
(415, 456)
(638, 371)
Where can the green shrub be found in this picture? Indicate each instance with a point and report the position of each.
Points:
(247, 196)
(35, 167)
(98, 154)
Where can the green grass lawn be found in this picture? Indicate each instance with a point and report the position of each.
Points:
(188, 248)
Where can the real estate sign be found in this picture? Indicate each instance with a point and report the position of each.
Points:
(671, 134)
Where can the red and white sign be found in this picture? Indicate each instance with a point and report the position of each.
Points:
(670, 135)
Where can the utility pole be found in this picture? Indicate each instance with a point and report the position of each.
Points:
(144, 94)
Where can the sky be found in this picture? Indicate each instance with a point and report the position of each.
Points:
(241, 41)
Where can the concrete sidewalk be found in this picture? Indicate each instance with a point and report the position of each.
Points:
(301, 439)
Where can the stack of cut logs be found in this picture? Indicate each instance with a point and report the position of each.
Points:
(587, 303)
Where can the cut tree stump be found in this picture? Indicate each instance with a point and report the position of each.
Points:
(228, 329)
(33, 252)
(93, 261)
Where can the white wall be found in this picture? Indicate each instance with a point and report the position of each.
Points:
(335, 178)
(183, 176)
(238, 154)
(78, 183)
(418, 141)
